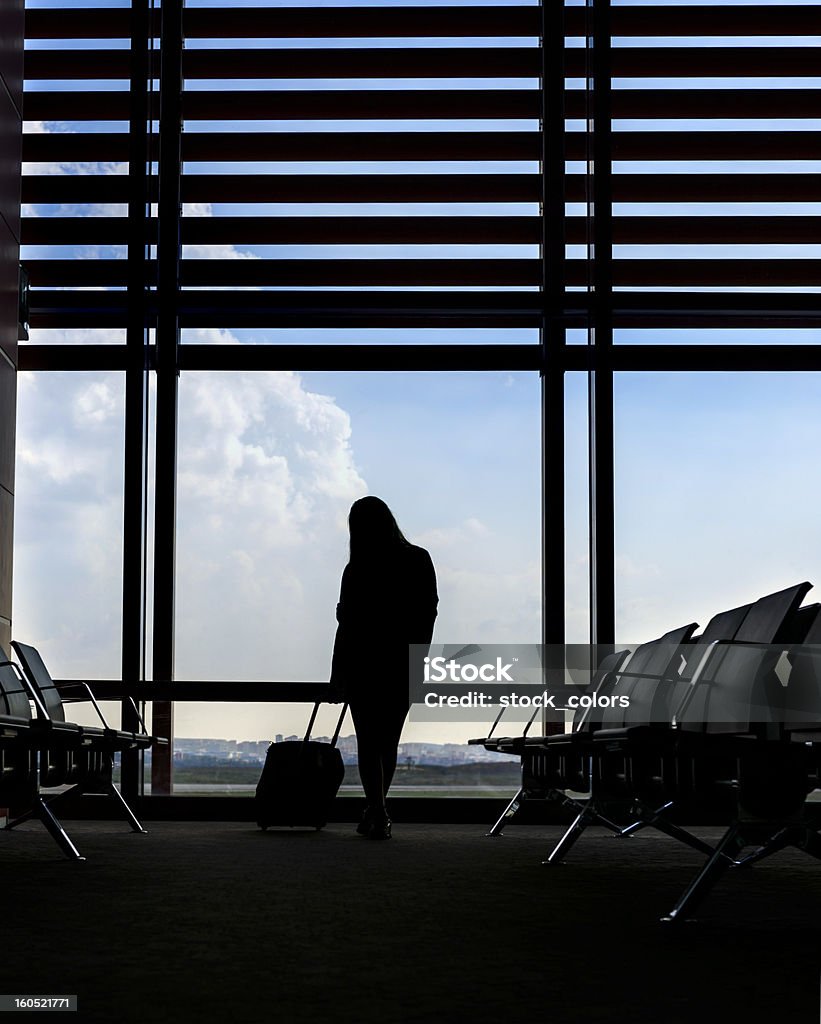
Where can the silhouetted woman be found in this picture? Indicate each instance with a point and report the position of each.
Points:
(387, 601)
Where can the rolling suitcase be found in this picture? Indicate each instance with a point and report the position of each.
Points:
(300, 779)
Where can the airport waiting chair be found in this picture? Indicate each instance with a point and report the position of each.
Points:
(595, 754)
(33, 755)
(665, 772)
(16, 754)
(557, 765)
(723, 746)
(548, 775)
(800, 722)
(632, 749)
(90, 757)
(629, 753)
(743, 707)
(608, 780)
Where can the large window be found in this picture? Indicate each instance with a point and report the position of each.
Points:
(269, 465)
(544, 277)
(68, 526)
(716, 492)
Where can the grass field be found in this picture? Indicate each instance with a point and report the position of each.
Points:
(428, 776)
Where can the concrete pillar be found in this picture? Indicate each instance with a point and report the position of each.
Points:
(11, 112)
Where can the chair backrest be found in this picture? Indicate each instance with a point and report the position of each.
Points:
(652, 668)
(771, 619)
(802, 694)
(801, 624)
(588, 719)
(813, 632)
(722, 626)
(14, 697)
(735, 692)
(738, 690)
(38, 675)
(646, 665)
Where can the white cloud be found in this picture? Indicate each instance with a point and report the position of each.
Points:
(629, 568)
(467, 532)
(97, 404)
(212, 250)
(486, 594)
(72, 168)
(266, 476)
(68, 519)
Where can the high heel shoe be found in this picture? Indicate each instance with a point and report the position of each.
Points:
(380, 828)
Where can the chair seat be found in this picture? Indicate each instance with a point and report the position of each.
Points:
(121, 739)
(561, 743)
(657, 737)
(12, 727)
(494, 742)
(56, 733)
(806, 736)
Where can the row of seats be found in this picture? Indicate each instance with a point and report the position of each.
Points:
(41, 750)
(726, 724)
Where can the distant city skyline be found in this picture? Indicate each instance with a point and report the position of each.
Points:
(253, 751)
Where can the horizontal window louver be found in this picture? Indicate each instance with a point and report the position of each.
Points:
(397, 152)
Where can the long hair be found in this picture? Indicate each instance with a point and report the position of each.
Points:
(373, 530)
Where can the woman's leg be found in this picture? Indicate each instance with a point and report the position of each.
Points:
(394, 722)
(369, 746)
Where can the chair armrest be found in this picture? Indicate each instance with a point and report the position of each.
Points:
(140, 719)
(496, 721)
(89, 695)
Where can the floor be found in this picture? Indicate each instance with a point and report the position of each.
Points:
(222, 922)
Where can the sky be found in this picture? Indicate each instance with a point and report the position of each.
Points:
(716, 487)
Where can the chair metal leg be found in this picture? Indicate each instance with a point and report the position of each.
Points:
(559, 796)
(655, 819)
(506, 814)
(21, 818)
(803, 836)
(723, 856)
(645, 816)
(34, 783)
(780, 841)
(52, 799)
(630, 830)
(571, 835)
(128, 814)
(599, 819)
(682, 835)
(810, 842)
(56, 830)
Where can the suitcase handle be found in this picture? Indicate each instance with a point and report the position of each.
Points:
(312, 719)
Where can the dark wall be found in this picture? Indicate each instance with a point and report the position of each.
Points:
(11, 106)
